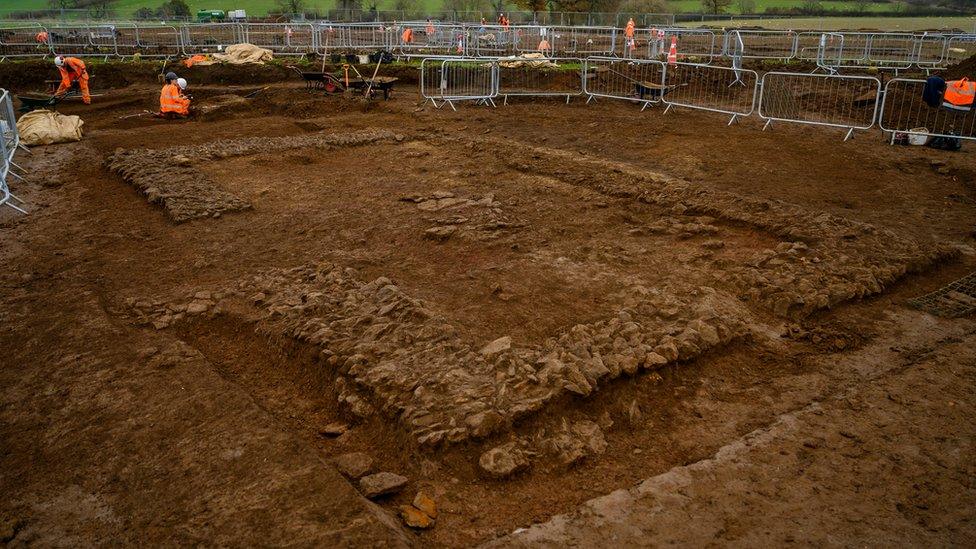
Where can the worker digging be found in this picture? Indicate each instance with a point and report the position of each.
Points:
(73, 74)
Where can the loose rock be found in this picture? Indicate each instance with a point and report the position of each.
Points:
(503, 461)
(354, 465)
(381, 484)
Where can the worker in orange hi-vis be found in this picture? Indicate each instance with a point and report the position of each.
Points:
(629, 30)
(72, 70)
(172, 101)
(407, 35)
(544, 46)
(430, 29)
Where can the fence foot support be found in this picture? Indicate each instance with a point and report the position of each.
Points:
(453, 108)
(767, 124)
(567, 99)
(588, 99)
(850, 134)
(8, 203)
(668, 108)
(733, 119)
(646, 104)
(22, 146)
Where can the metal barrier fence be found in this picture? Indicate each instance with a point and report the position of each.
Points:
(878, 49)
(723, 90)
(23, 41)
(211, 37)
(149, 41)
(584, 41)
(761, 44)
(840, 101)
(638, 80)
(540, 78)
(454, 80)
(693, 45)
(903, 111)
(9, 142)
(433, 41)
(959, 48)
(926, 50)
(287, 39)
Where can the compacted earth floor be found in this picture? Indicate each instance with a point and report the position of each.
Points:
(561, 324)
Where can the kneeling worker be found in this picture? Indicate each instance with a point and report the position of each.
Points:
(72, 70)
(172, 102)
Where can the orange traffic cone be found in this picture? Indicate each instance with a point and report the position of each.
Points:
(673, 52)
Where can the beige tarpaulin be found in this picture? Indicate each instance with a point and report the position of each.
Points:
(46, 127)
(531, 60)
(239, 54)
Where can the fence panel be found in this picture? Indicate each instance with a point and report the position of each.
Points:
(433, 40)
(150, 41)
(960, 47)
(892, 50)
(368, 37)
(840, 101)
(529, 38)
(588, 40)
(730, 91)
(693, 45)
(761, 44)
(24, 41)
(282, 38)
(454, 80)
(103, 39)
(69, 40)
(492, 41)
(639, 80)
(211, 37)
(559, 77)
(903, 110)
(9, 140)
(930, 50)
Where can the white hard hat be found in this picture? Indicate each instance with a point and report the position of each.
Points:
(59, 60)
(181, 82)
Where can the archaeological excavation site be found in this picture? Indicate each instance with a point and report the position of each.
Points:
(594, 319)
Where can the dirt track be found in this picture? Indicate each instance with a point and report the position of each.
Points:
(180, 325)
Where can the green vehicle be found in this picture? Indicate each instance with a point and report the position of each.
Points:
(206, 16)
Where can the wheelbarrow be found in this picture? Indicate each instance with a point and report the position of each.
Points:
(30, 103)
(333, 84)
(33, 102)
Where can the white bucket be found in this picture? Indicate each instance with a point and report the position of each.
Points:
(363, 59)
(918, 138)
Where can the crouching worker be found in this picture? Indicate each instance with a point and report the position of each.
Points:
(172, 102)
(72, 70)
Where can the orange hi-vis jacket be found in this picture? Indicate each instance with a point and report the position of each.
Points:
(959, 94)
(629, 31)
(171, 100)
(74, 69)
(407, 35)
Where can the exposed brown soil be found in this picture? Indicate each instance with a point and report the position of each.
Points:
(171, 365)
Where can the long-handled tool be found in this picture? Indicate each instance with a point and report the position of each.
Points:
(255, 92)
(143, 113)
(369, 89)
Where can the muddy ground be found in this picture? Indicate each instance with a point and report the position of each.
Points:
(518, 309)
